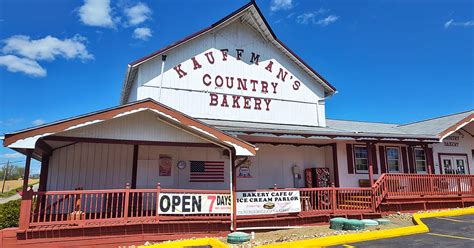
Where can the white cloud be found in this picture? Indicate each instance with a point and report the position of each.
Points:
(11, 155)
(38, 122)
(142, 33)
(310, 17)
(328, 20)
(462, 24)
(138, 14)
(97, 13)
(27, 66)
(47, 48)
(21, 54)
(281, 5)
(306, 18)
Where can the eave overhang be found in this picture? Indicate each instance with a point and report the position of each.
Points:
(27, 139)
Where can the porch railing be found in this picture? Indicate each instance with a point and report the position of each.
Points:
(102, 207)
(427, 185)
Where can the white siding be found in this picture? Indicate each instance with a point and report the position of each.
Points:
(465, 146)
(149, 155)
(190, 95)
(352, 180)
(90, 166)
(137, 126)
(273, 164)
(109, 166)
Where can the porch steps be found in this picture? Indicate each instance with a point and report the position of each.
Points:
(350, 206)
(356, 203)
(361, 197)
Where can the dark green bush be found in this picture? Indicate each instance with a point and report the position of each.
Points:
(9, 214)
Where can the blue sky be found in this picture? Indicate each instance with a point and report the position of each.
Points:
(391, 61)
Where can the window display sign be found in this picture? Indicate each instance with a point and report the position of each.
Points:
(268, 202)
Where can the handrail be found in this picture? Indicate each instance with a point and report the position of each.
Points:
(80, 207)
(379, 190)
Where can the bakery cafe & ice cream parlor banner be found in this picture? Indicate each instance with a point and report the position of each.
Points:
(248, 203)
(268, 202)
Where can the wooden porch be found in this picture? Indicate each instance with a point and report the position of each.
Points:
(95, 213)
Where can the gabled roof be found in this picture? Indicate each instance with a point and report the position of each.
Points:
(26, 139)
(442, 126)
(250, 14)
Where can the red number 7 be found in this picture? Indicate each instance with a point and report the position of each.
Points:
(213, 199)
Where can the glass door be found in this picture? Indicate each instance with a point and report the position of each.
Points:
(454, 164)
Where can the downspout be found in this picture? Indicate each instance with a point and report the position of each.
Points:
(163, 59)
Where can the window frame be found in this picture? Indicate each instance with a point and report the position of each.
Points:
(400, 162)
(415, 160)
(356, 170)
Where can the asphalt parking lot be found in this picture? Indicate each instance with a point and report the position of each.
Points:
(455, 231)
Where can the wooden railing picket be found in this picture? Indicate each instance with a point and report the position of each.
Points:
(333, 198)
(158, 190)
(126, 202)
(81, 207)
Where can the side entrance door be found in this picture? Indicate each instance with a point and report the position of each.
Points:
(454, 164)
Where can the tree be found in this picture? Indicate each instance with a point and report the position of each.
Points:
(6, 171)
(20, 171)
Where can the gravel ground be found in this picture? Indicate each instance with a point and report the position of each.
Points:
(307, 232)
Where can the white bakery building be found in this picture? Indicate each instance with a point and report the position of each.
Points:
(234, 91)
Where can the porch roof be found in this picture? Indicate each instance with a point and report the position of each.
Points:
(27, 139)
(432, 130)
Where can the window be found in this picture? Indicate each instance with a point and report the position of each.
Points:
(393, 159)
(420, 160)
(361, 159)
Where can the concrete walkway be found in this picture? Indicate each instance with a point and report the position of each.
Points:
(16, 196)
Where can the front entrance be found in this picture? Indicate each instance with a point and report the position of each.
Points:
(454, 163)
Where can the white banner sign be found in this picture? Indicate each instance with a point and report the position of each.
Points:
(268, 202)
(185, 203)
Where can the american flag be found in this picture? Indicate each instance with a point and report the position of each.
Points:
(207, 171)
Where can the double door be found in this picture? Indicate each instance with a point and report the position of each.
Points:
(454, 164)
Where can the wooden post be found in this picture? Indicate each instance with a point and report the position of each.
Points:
(333, 198)
(158, 190)
(134, 167)
(234, 191)
(44, 172)
(335, 164)
(127, 202)
(29, 153)
(27, 195)
(459, 186)
(25, 209)
(370, 162)
(428, 161)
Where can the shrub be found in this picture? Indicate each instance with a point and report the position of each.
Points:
(10, 214)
